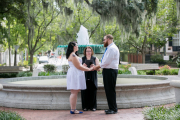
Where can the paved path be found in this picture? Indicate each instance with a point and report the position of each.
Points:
(123, 114)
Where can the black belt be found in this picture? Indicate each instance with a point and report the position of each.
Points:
(109, 69)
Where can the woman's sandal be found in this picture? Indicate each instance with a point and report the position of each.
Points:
(75, 111)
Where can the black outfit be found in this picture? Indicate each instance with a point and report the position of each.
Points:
(88, 96)
(109, 79)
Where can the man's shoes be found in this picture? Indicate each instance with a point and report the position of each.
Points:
(110, 112)
(85, 109)
(94, 109)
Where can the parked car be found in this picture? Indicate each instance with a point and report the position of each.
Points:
(43, 59)
(52, 54)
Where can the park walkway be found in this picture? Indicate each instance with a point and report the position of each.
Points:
(123, 114)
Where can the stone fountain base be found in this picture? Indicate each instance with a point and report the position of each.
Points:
(57, 97)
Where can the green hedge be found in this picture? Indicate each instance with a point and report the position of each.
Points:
(10, 115)
(50, 68)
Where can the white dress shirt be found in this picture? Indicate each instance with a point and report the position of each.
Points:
(111, 57)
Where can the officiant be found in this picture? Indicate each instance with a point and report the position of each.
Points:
(88, 96)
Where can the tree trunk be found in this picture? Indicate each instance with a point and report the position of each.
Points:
(26, 55)
(15, 53)
(143, 56)
(144, 49)
(31, 61)
(9, 55)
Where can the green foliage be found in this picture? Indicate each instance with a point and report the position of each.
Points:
(24, 74)
(10, 115)
(126, 72)
(4, 64)
(34, 59)
(25, 63)
(167, 72)
(126, 67)
(149, 72)
(141, 72)
(162, 113)
(50, 68)
(43, 74)
(20, 63)
(99, 72)
(174, 71)
(7, 75)
(157, 59)
(164, 67)
(120, 71)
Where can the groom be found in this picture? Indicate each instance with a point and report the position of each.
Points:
(109, 64)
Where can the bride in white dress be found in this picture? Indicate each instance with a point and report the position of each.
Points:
(75, 75)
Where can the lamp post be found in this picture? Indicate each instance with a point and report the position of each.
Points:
(16, 47)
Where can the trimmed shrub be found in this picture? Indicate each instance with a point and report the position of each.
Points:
(174, 71)
(24, 74)
(149, 72)
(166, 72)
(157, 59)
(50, 68)
(10, 115)
(120, 71)
(7, 75)
(43, 74)
(141, 72)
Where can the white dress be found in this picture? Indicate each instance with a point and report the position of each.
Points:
(75, 77)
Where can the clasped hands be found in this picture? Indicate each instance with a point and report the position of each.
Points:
(92, 67)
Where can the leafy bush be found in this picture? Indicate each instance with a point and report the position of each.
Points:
(125, 67)
(99, 72)
(43, 74)
(165, 67)
(20, 63)
(120, 71)
(166, 72)
(10, 115)
(157, 59)
(174, 71)
(149, 72)
(24, 74)
(126, 72)
(34, 60)
(141, 72)
(50, 68)
(25, 63)
(7, 75)
(162, 113)
(4, 64)
(178, 65)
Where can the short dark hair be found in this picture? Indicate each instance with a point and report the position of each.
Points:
(70, 49)
(109, 36)
(86, 49)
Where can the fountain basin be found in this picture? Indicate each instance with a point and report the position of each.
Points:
(49, 92)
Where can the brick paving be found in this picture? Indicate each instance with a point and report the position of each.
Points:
(123, 114)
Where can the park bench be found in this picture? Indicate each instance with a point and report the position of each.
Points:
(10, 69)
(137, 66)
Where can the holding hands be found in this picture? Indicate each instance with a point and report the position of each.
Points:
(91, 67)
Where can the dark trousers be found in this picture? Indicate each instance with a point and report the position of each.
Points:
(109, 79)
(88, 96)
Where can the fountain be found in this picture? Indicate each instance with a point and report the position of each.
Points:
(49, 92)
